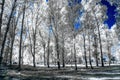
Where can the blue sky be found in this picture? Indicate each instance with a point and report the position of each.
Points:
(110, 13)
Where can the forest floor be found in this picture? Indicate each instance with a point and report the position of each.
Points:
(67, 73)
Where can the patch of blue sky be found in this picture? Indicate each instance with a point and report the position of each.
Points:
(111, 11)
(77, 25)
(77, 21)
(47, 0)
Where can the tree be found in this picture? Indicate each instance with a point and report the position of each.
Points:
(7, 29)
(73, 9)
(48, 50)
(54, 17)
(44, 46)
(85, 54)
(32, 36)
(14, 23)
(20, 46)
(98, 19)
(95, 44)
(1, 15)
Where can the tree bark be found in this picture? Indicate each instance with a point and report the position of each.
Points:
(75, 59)
(7, 51)
(1, 15)
(108, 48)
(63, 52)
(13, 38)
(85, 56)
(5, 35)
(20, 46)
(34, 46)
(109, 55)
(95, 51)
(11, 51)
(102, 62)
(34, 64)
(90, 52)
(57, 50)
(44, 47)
(44, 55)
(48, 52)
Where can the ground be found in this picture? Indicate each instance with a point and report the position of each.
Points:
(68, 73)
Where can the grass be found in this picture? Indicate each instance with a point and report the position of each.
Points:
(52, 73)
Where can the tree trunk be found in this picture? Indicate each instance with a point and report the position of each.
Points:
(34, 64)
(63, 52)
(44, 55)
(7, 52)
(85, 56)
(102, 62)
(108, 48)
(20, 47)
(5, 35)
(109, 55)
(75, 59)
(90, 52)
(12, 41)
(1, 15)
(95, 51)
(48, 52)
(57, 50)
(63, 59)
(34, 51)
(11, 51)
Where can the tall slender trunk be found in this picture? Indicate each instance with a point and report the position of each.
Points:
(90, 52)
(7, 29)
(109, 55)
(71, 57)
(34, 64)
(63, 52)
(34, 52)
(48, 52)
(13, 38)
(57, 50)
(44, 47)
(85, 56)
(31, 47)
(108, 48)
(20, 46)
(63, 57)
(34, 46)
(75, 59)
(102, 62)
(7, 52)
(95, 51)
(44, 55)
(11, 51)
(1, 15)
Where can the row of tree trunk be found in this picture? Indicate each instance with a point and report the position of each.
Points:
(57, 47)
